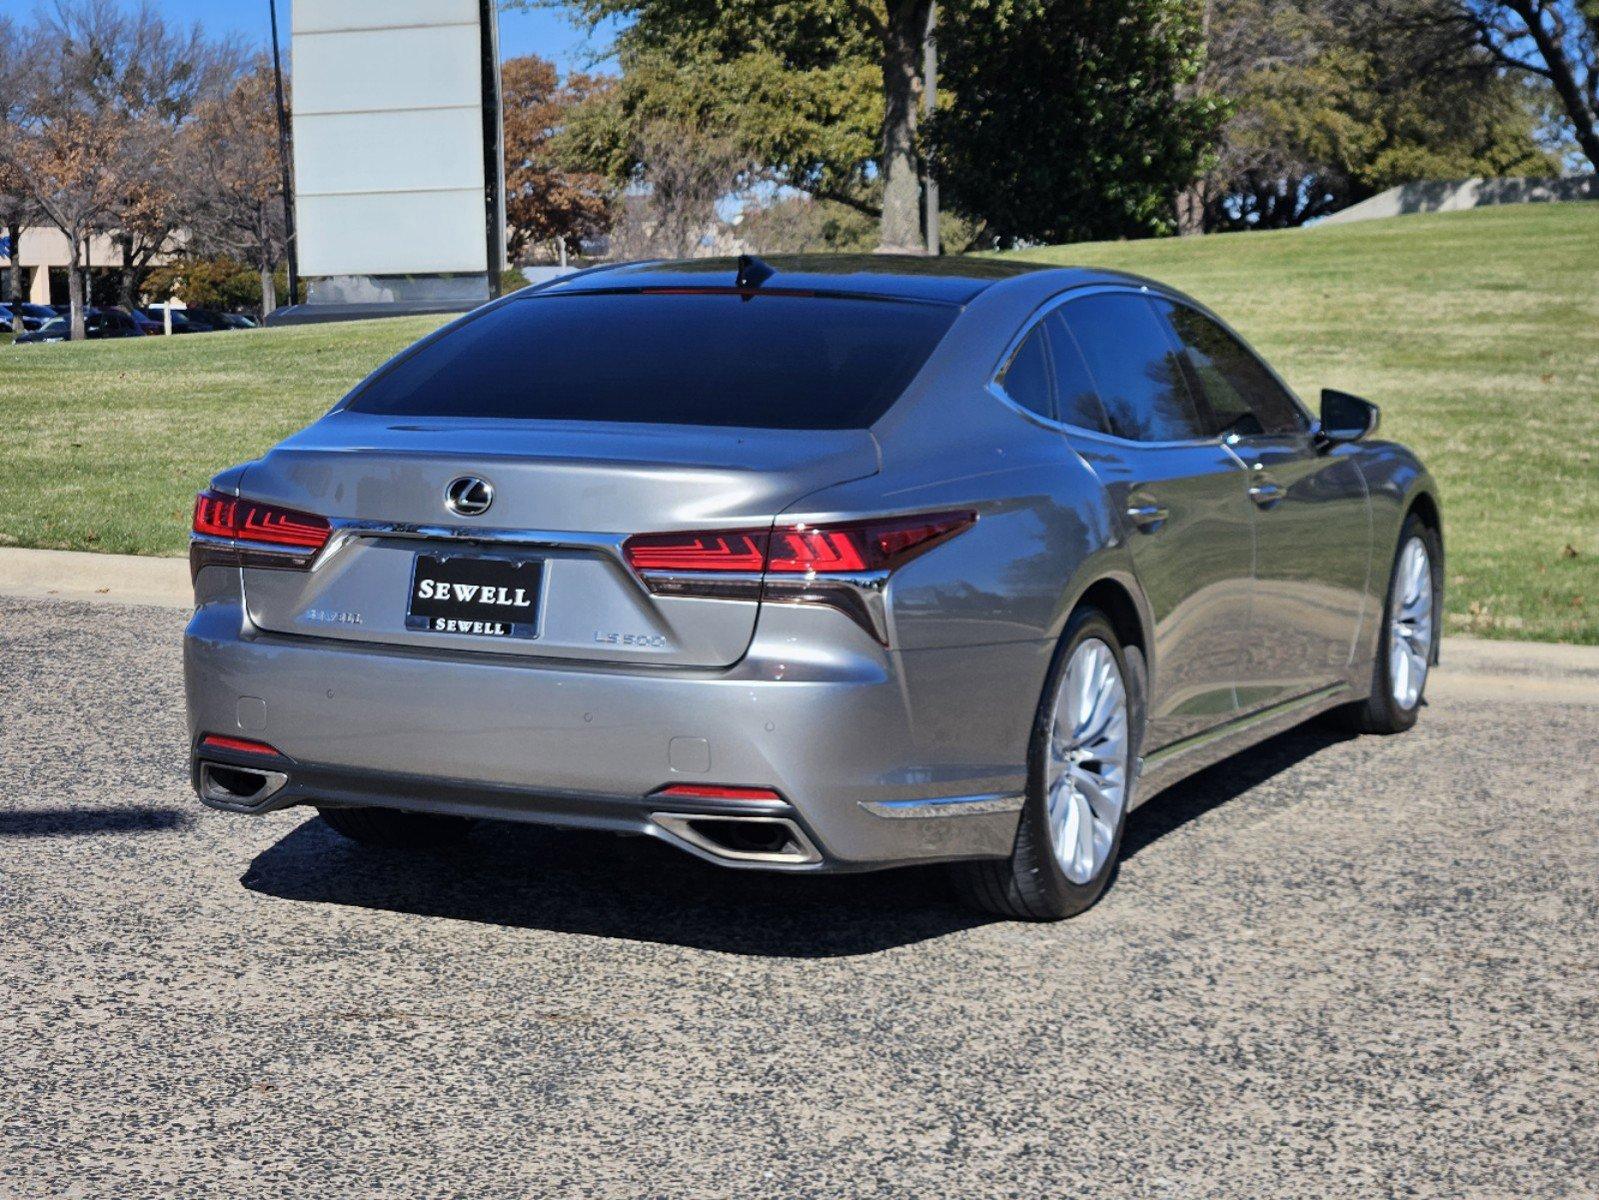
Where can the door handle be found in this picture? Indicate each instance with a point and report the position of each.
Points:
(1148, 517)
(1266, 492)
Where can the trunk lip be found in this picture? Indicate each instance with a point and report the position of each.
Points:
(716, 447)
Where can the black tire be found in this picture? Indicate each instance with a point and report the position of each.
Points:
(1030, 885)
(1380, 712)
(395, 829)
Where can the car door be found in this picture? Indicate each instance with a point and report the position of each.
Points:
(1311, 517)
(1124, 395)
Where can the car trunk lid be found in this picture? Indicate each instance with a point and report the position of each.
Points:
(565, 497)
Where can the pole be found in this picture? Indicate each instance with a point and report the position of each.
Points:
(493, 144)
(929, 103)
(283, 161)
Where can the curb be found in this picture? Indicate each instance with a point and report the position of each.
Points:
(95, 578)
(164, 583)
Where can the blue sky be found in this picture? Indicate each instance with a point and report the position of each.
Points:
(541, 32)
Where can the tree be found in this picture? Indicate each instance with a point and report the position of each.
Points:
(95, 125)
(1072, 120)
(163, 76)
(15, 205)
(1556, 41)
(806, 119)
(233, 146)
(70, 146)
(686, 171)
(543, 202)
(1330, 101)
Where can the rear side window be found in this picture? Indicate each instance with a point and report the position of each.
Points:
(767, 361)
(1026, 379)
(1076, 398)
(1135, 367)
(1244, 398)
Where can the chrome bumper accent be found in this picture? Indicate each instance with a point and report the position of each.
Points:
(946, 806)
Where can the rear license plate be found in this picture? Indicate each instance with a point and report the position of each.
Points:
(483, 597)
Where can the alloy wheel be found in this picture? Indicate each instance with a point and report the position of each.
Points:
(1410, 628)
(1086, 773)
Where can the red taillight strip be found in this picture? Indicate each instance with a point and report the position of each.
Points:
(217, 741)
(219, 516)
(811, 550)
(731, 550)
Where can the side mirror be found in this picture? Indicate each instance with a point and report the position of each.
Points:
(1345, 418)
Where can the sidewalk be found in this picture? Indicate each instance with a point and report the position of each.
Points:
(97, 578)
(164, 583)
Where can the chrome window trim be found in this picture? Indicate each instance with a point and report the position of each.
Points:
(997, 389)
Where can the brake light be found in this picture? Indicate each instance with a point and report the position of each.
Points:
(799, 549)
(216, 741)
(216, 515)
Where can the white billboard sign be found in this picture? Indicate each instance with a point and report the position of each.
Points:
(389, 148)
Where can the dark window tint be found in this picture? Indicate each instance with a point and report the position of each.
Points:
(779, 362)
(1135, 367)
(1243, 396)
(1026, 379)
(1076, 399)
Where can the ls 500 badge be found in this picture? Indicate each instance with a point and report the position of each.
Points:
(644, 641)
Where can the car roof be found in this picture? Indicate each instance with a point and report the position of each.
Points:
(953, 279)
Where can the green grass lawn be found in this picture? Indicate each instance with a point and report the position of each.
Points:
(1477, 332)
(103, 444)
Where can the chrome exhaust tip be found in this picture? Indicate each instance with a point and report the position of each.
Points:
(773, 841)
(235, 787)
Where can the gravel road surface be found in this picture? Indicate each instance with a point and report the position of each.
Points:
(1336, 967)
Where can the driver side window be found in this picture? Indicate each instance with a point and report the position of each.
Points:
(1243, 396)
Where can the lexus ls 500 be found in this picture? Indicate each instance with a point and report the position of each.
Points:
(811, 564)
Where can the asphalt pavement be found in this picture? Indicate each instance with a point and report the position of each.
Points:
(1334, 967)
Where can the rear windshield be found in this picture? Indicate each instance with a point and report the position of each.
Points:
(767, 361)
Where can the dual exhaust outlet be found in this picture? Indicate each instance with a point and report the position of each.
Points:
(755, 838)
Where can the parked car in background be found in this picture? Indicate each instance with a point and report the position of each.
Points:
(240, 321)
(822, 564)
(98, 323)
(33, 315)
(208, 320)
(147, 326)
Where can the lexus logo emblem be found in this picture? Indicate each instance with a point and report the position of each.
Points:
(469, 496)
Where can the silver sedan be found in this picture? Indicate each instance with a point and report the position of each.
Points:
(806, 565)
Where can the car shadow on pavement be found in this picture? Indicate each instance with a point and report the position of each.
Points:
(86, 822)
(633, 888)
(638, 889)
(1227, 780)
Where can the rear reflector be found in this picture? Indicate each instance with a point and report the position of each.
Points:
(711, 791)
(216, 515)
(216, 741)
(799, 549)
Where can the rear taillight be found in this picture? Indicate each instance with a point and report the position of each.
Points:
(743, 552)
(849, 549)
(867, 546)
(216, 515)
(841, 566)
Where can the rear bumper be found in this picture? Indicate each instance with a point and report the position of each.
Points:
(881, 758)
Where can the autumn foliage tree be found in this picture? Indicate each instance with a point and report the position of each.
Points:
(233, 145)
(96, 110)
(543, 201)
